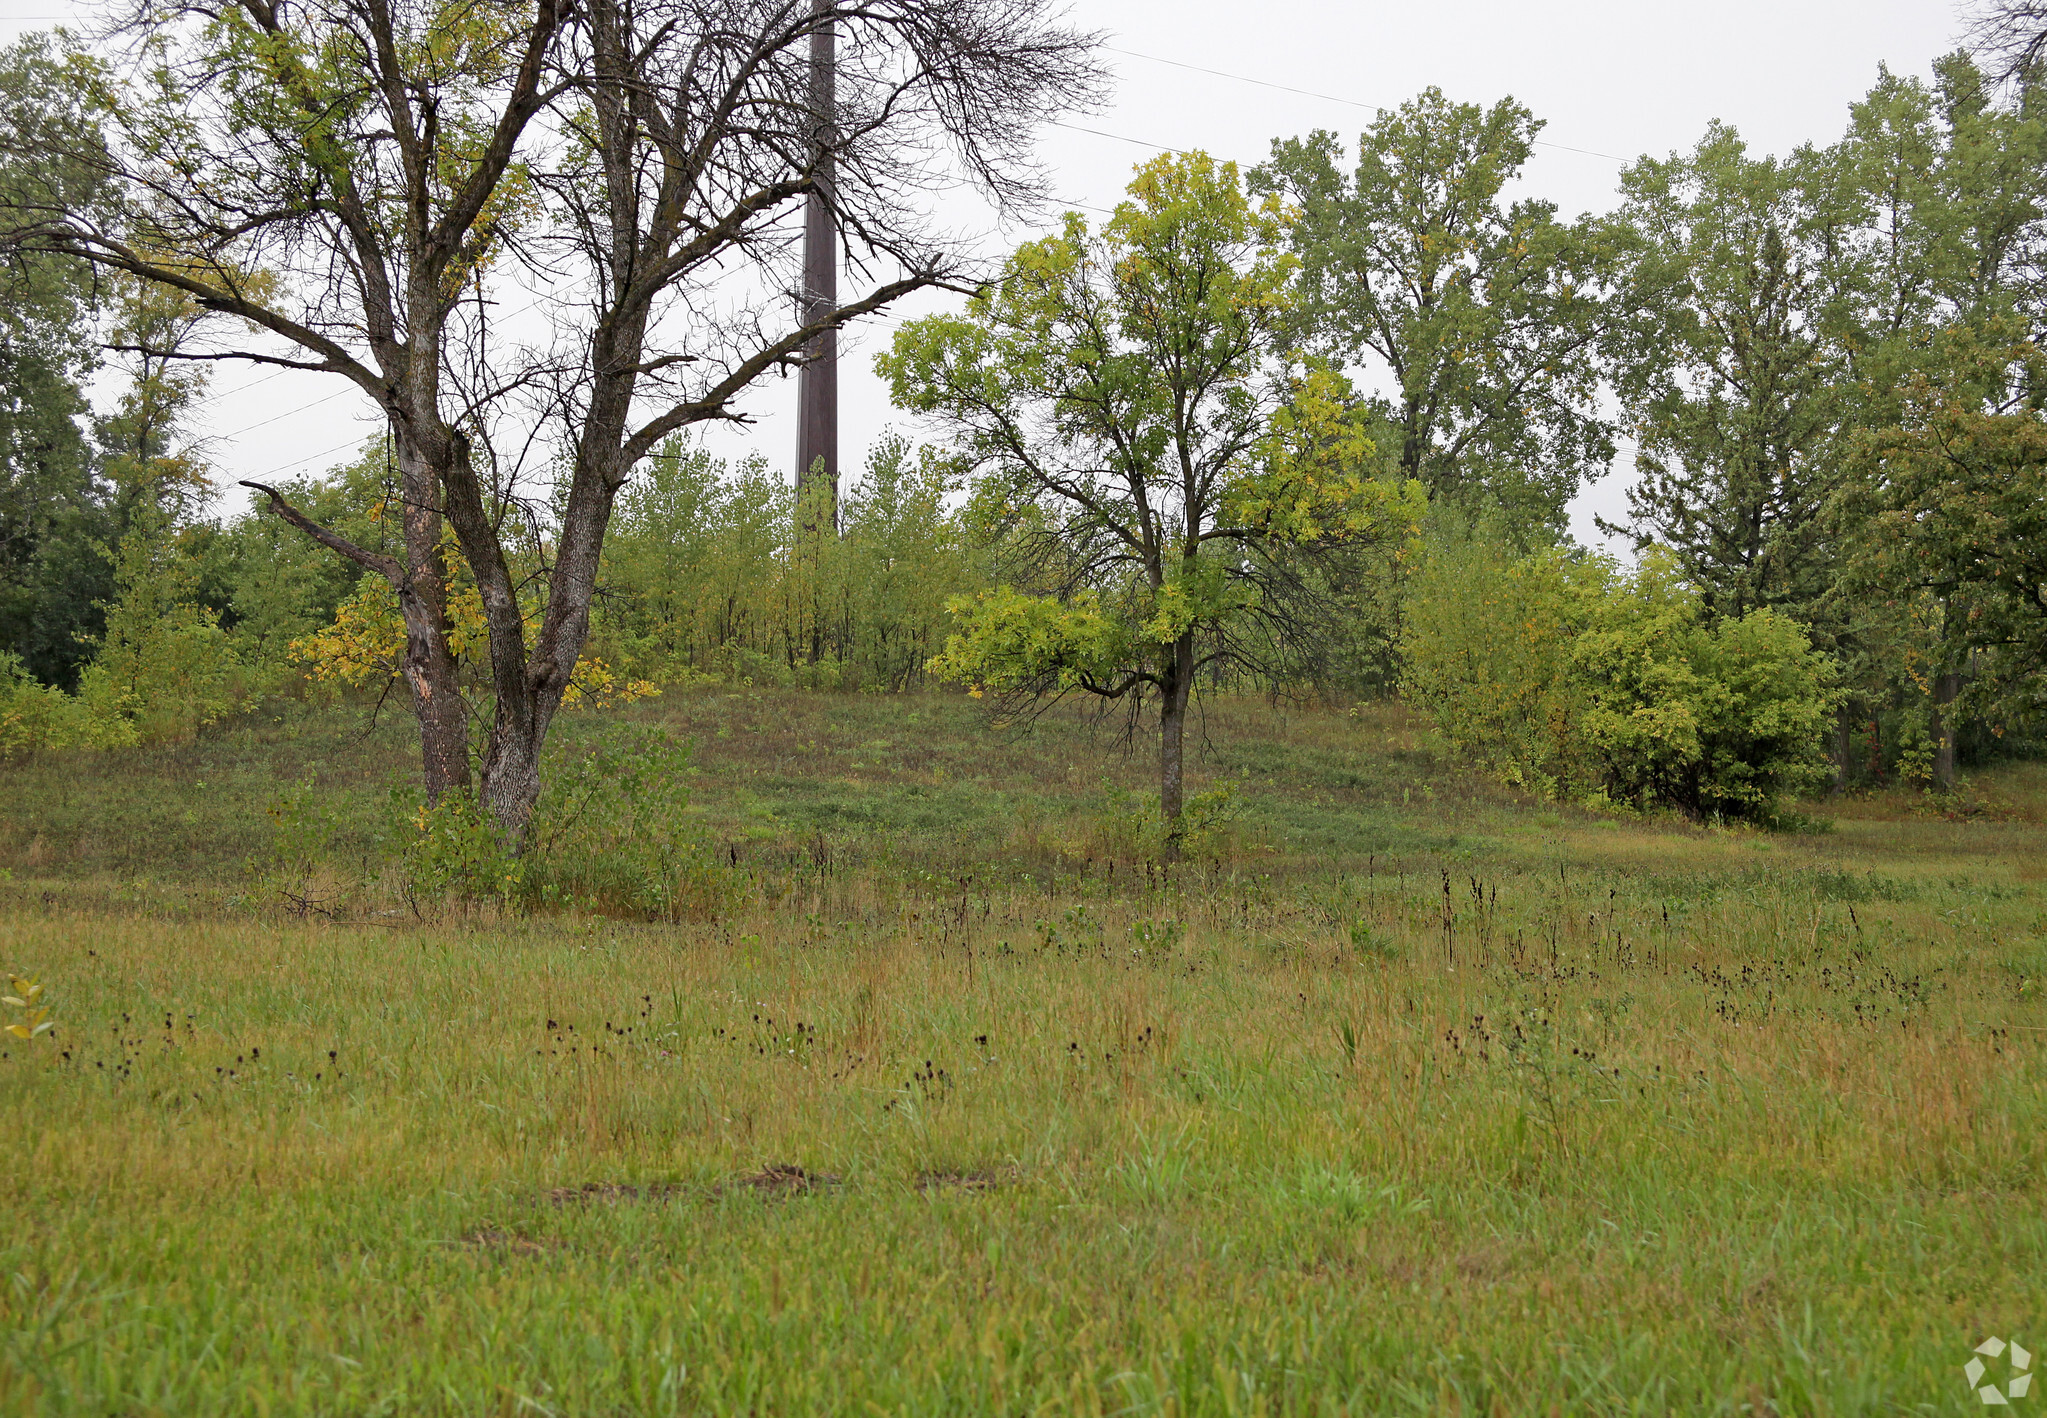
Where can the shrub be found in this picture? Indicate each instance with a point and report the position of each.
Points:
(1713, 716)
(164, 669)
(612, 833)
(1128, 826)
(1487, 647)
(451, 851)
(1565, 674)
(35, 717)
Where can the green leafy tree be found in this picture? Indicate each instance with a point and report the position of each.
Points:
(902, 555)
(1566, 675)
(1950, 509)
(1937, 222)
(54, 517)
(1146, 457)
(710, 570)
(146, 454)
(1479, 317)
(1726, 375)
(1932, 210)
(163, 669)
(695, 550)
(1781, 306)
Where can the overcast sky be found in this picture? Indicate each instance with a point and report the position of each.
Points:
(1608, 78)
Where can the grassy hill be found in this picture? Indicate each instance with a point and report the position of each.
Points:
(1410, 1095)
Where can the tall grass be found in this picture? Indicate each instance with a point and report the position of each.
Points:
(1508, 1110)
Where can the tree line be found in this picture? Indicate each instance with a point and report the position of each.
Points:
(1310, 426)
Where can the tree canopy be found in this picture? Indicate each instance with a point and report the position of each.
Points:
(1482, 315)
(1156, 466)
(357, 183)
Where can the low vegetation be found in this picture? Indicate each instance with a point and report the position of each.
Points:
(1349, 948)
(1408, 1093)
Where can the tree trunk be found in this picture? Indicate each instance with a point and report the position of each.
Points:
(429, 670)
(1844, 745)
(528, 691)
(429, 663)
(1945, 688)
(511, 772)
(1179, 684)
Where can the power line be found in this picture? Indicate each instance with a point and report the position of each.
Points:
(277, 418)
(309, 458)
(1310, 93)
(1098, 133)
(324, 398)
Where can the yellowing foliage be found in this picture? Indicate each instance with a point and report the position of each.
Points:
(365, 646)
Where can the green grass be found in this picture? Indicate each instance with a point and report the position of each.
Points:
(1663, 1119)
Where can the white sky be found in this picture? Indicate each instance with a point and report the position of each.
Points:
(1609, 77)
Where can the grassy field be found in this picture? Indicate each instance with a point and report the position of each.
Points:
(1411, 1096)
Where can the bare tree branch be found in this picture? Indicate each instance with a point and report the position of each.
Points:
(389, 567)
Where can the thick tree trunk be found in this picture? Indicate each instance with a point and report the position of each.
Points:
(1945, 688)
(1178, 686)
(511, 773)
(527, 690)
(429, 671)
(429, 663)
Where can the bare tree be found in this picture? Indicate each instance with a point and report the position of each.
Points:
(358, 179)
(704, 145)
(2008, 36)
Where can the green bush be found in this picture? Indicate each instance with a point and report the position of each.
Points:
(613, 831)
(164, 669)
(1563, 673)
(1714, 716)
(450, 851)
(1486, 648)
(612, 834)
(36, 717)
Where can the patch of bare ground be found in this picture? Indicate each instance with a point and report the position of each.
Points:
(981, 1180)
(780, 1179)
(490, 1238)
(591, 1192)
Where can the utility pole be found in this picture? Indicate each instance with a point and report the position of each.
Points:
(817, 382)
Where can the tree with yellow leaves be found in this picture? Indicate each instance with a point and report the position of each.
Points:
(1157, 473)
(387, 171)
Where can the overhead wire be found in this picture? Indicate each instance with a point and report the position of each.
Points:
(1311, 93)
(1098, 133)
(1070, 127)
(323, 399)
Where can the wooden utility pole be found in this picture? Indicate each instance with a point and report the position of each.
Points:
(817, 383)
